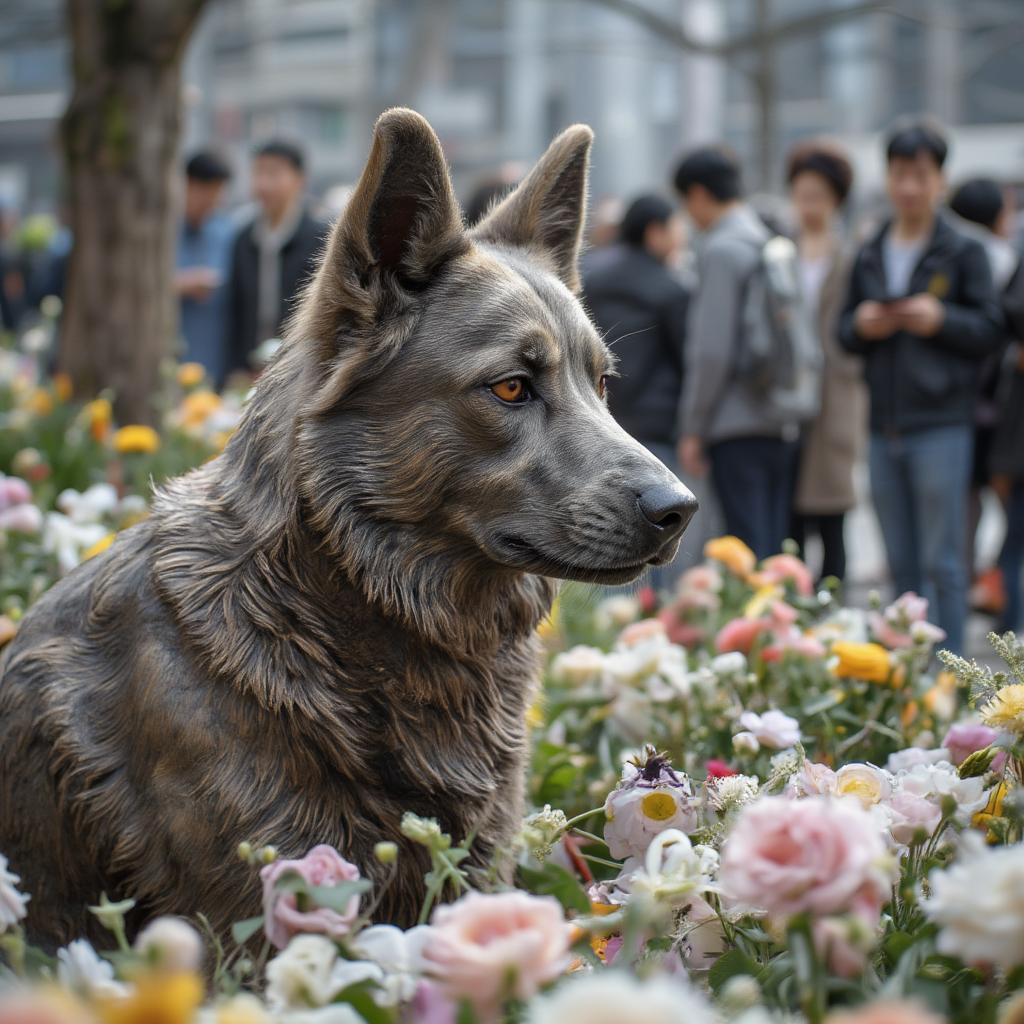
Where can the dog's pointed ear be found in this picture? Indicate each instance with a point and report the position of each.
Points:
(545, 213)
(403, 217)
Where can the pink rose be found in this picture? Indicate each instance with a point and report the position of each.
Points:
(322, 866)
(812, 779)
(843, 944)
(787, 569)
(905, 623)
(489, 947)
(21, 519)
(681, 632)
(964, 738)
(740, 635)
(13, 491)
(910, 815)
(815, 855)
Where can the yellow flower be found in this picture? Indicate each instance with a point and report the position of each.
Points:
(40, 402)
(191, 374)
(861, 661)
(548, 628)
(535, 714)
(993, 809)
(156, 999)
(98, 548)
(242, 1009)
(99, 412)
(733, 554)
(136, 438)
(762, 600)
(62, 386)
(1006, 709)
(198, 407)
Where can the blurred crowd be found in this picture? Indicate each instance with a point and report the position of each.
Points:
(765, 348)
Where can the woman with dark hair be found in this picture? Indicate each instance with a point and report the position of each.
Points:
(820, 178)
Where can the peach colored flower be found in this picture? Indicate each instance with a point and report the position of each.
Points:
(816, 855)
(489, 947)
(740, 635)
(886, 1012)
(322, 866)
(787, 569)
(642, 631)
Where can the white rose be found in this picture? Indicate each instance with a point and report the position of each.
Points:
(12, 902)
(578, 666)
(616, 612)
(81, 969)
(728, 664)
(593, 997)
(773, 729)
(307, 972)
(865, 782)
(399, 955)
(978, 904)
(904, 760)
(935, 781)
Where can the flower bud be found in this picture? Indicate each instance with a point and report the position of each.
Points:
(745, 743)
(170, 944)
(977, 763)
(268, 854)
(739, 993)
(245, 851)
(386, 852)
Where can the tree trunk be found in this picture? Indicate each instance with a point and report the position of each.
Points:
(120, 137)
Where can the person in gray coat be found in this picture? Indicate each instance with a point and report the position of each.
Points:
(726, 427)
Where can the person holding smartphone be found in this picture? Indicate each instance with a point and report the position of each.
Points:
(923, 313)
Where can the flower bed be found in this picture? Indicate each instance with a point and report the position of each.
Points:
(749, 803)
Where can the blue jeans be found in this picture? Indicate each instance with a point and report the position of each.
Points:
(754, 480)
(1011, 561)
(919, 484)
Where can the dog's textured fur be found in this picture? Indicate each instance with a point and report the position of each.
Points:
(334, 622)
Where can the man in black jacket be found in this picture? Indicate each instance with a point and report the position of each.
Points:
(923, 312)
(640, 306)
(274, 255)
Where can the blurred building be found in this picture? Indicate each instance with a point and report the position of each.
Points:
(498, 78)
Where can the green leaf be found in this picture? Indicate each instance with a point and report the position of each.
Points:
(466, 1014)
(730, 964)
(360, 997)
(895, 946)
(338, 897)
(242, 931)
(553, 880)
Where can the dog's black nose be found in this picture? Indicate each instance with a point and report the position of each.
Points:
(668, 506)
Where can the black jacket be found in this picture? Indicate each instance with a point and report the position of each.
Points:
(640, 309)
(917, 383)
(299, 259)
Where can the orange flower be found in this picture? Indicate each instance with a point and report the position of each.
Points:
(733, 554)
(40, 402)
(100, 413)
(62, 386)
(198, 407)
(98, 548)
(191, 374)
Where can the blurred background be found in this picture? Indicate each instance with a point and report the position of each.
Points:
(103, 101)
(497, 78)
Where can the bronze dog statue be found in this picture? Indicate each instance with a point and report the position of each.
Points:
(334, 621)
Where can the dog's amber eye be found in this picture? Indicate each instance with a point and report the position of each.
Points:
(512, 390)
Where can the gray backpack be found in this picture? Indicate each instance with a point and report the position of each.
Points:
(780, 355)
